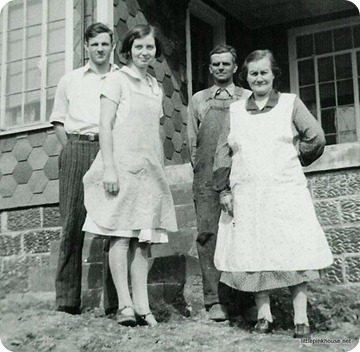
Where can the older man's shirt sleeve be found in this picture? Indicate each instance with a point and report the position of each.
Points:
(222, 161)
(311, 135)
(61, 102)
(192, 128)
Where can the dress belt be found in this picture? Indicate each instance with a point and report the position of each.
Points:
(74, 137)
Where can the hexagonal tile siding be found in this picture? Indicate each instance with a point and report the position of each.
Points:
(170, 20)
(29, 167)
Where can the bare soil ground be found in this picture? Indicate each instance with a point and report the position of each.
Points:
(29, 323)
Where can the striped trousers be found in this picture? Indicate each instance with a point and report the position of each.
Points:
(75, 160)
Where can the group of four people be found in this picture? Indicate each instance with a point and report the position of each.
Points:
(257, 228)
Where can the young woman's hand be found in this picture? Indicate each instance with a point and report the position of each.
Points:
(110, 180)
(226, 203)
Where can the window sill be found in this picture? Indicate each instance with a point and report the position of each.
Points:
(340, 156)
(27, 128)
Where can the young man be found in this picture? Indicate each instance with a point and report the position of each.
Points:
(208, 111)
(75, 118)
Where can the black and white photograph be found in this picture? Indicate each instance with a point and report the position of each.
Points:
(179, 175)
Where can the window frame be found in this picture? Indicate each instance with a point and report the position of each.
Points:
(68, 58)
(336, 156)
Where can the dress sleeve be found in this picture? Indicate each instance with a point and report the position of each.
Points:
(222, 161)
(192, 128)
(311, 135)
(111, 88)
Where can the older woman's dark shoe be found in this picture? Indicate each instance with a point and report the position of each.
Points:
(263, 326)
(301, 331)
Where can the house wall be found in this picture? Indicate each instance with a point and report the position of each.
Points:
(29, 174)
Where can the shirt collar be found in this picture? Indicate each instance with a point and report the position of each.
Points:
(271, 103)
(87, 68)
(154, 87)
(230, 89)
(133, 74)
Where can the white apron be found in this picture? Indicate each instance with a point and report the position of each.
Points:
(275, 226)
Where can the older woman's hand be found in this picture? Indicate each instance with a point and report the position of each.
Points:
(110, 180)
(226, 203)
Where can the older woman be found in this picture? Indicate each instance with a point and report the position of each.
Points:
(273, 239)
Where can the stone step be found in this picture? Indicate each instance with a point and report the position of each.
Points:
(181, 242)
(92, 250)
(170, 269)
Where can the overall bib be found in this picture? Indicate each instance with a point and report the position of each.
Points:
(207, 202)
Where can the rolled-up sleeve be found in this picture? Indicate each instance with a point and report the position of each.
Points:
(61, 102)
(311, 135)
(222, 161)
(192, 128)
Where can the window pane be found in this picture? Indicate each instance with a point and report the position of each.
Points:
(50, 96)
(15, 45)
(56, 69)
(15, 19)
(306, 72)
(32, 107)
(356, 34)
(33, 41)
(326, 69)
(345, 92)
(323, 42)
(328, 120)
(34, 12)
(342, 38)
(327, 95)
(343, 66)
(56, 37)
(304, 46)
(56, 10)
(33, 74)
(346, 119)
(14, 77)
(308, 96)
(13, 110)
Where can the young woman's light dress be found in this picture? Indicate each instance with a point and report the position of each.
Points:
(144, 206)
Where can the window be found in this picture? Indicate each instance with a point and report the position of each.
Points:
(325, 73)
(32, 46)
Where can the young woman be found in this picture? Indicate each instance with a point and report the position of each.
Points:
(274, 239)
(126, 193)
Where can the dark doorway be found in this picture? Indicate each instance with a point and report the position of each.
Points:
(201, 45)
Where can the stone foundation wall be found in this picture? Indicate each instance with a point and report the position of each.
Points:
(26, 234)
(337, 203)
(25, 239)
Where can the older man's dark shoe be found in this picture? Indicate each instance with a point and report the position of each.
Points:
(69, 310)
(302, 331)
(263, 326)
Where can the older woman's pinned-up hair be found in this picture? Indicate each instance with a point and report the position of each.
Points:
(137, 32)
(257, 55)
